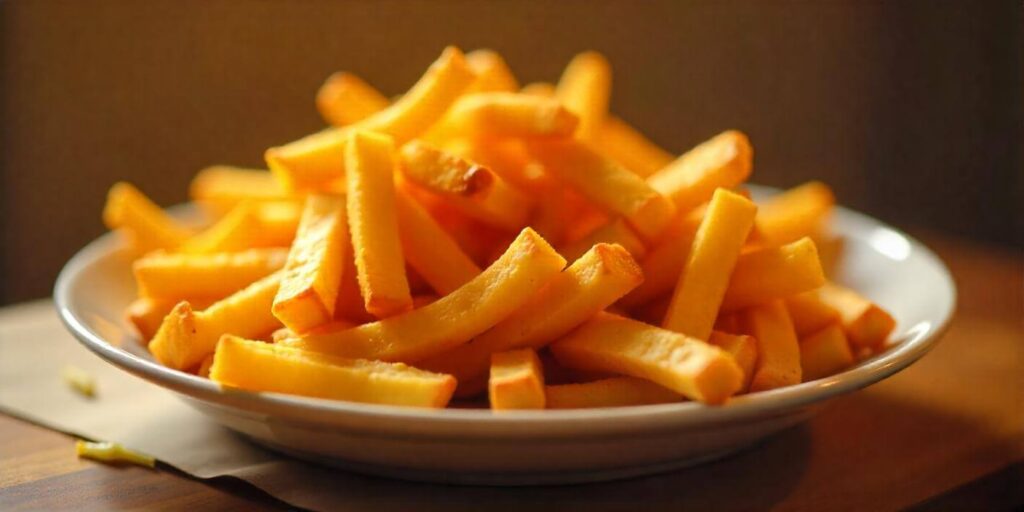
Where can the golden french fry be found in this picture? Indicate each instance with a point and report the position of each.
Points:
(258, 366)
(429, 249)
(492, 73)
(778, 362)
(742, 348)
(619, 141)
(773, 273)
(794, 214)
(278, 220)
(147, 314)
(240, 229)
(562, 212)
(683, 364)
(345, 98)
(223, 186)
(506, 114)
(374, 224)
(866, 324)
(825, 353)
(665, 261)
(315, 160)
(474, 190)
(312, 274)
(542, 89)
(506, 157)
(147, 226)
(723, 161)
(614, 232)
(705, 277)
(176, 276)
(809, 313)
(611, 392)
(606, 183)
(186, 336)
(585, 88)
(527, 265)
(590, 284)
(517, 381)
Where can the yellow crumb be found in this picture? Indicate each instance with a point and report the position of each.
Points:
(79, 380)
(112, 452)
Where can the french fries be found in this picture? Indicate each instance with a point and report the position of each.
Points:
(517, 381)
(360, 251)
(309, 285)
(683, 364)
(374, 224)
(258, 366)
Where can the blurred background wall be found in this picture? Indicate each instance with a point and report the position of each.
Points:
(911, 110)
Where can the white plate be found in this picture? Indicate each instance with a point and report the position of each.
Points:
(538, 447)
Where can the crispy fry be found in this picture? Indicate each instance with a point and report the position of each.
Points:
(866, 324)
(773, 273)
(176, 276)
(147, 226)
(317, 159)
(585, 88)
(611, 392)
(429, 249)
(345, 98)
(506, 114)
(619, 141)
(794, 214)
(825, 353)
(723, 161)
(185, 337)
(590, 284)
(527, 265)
(614, 232)
(492, 73)
(683, 364)
(517, 381)
(146, 314)
(374, 224)
(607, 184)
(240, 229)
(312, 274)
(474, 190)
(809, 313)
(665, 261)
(705, 277)
(223, 186)
(258, 366)
(742, 348)
(778, 362)
(506, 157)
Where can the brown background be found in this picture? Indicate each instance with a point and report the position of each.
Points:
(911, 110)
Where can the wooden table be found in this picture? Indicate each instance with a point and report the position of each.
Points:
(951, 436)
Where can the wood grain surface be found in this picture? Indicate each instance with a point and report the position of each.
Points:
(946, 433)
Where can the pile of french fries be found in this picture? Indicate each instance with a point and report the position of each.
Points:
(474, 237)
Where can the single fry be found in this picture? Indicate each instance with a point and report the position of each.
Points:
(258, 366)
(607, 184)
(825, 353)
(312, 274)
(611, 392)
(147, 226)
(810, 313)
(585, 88)
(866, 324)
(224, 186)
(186, 336)
(664, 262)
(705, 277)
(278, 220)
(429, 249)
(778, 362)
(614, 232)
(527, 265)
(146, 314)
(773, 273)
(542, 89)
(317, 159)
(474, 190)
(590, 284)
(374, 224)
(619, 141)
(517, 381)
(81, 381)
(506, 114)
(794, 214)
(683, 364)
(723, 161)
(492, 73)
(345, 99)
(177, 276)
(742, 348)
(240, 229)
